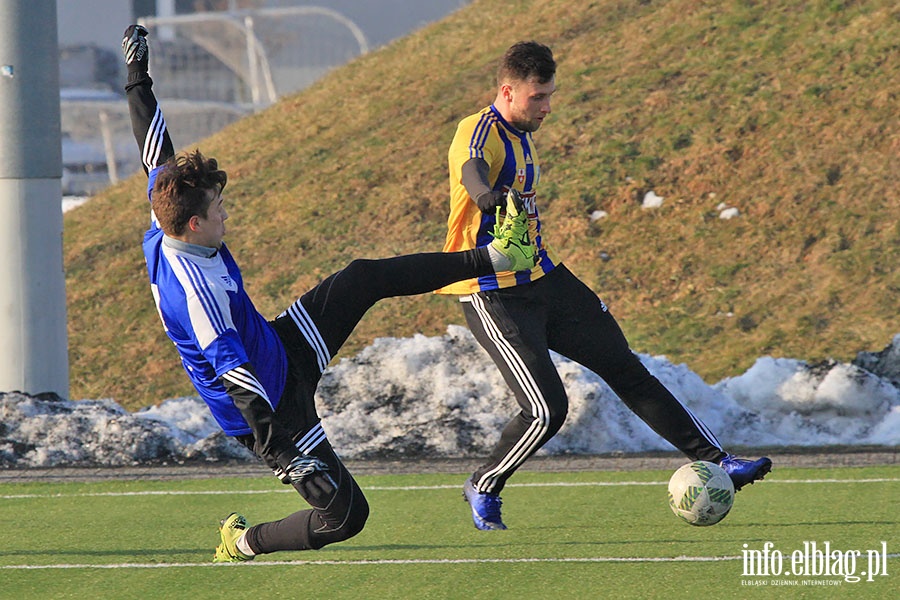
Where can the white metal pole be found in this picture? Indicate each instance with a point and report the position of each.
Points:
(109, 148)
(33, 338)
(165, 8)
(251, 59)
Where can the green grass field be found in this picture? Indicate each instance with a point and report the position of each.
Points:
(572, 535)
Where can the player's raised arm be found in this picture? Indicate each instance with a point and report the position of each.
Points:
(147, 120)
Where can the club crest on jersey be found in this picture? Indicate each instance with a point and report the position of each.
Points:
(520, 175)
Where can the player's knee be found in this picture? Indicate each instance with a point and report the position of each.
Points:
(550, 419)
(338, 527)
(354, 522)
(557, 418)
(359, 268)
(553, 421)
(358, 517)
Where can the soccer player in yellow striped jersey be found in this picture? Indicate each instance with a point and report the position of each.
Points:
(512, 162)
(519, 317)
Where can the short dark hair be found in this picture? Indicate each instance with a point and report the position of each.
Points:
(184, 187)
(524, 60)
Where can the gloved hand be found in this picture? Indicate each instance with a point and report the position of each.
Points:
(134, 47)
(490, 200)
(299, 469)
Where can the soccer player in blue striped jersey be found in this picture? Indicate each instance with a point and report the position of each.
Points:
(519, 316)
(259, 376)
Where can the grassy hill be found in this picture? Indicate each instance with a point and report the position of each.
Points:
(786, 111)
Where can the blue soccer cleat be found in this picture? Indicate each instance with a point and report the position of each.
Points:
(743, 471)
(485, 508)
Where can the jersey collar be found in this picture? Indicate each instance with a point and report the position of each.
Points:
(506, 124)
(195, 249)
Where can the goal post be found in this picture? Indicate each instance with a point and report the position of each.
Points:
(267, 52)
(209, 70)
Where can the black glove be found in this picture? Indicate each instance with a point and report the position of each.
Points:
(134, 47)
(299, 469)
(490, 200)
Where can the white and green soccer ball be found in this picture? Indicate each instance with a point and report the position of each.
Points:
(701, 493)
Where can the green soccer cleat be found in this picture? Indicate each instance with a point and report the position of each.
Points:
(511, 237)
(231, 528)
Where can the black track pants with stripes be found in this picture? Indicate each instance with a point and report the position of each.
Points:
(312, 330)
(519, 325)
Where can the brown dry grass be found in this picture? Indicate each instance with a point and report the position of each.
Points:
(787, 113)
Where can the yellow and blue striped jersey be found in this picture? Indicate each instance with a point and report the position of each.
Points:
(513, 163)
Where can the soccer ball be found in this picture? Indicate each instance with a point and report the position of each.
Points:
(701, 493)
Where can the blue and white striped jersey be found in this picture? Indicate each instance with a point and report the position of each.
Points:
(213, 323)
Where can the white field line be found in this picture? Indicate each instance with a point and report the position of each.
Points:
(409, 561)
(407, 488)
